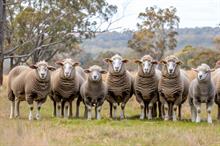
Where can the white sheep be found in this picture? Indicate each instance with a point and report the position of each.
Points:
(120, 84)
(94, 91)
(146, 85)
(201, 90)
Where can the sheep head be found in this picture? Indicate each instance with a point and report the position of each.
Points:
(95, 73)
(68, 66)
(42, 68)
(170, 64)
(146, 63)
(116, 63)
(203, 72)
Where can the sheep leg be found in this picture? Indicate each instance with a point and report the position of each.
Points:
(110, 111)
(145, 110)
(77, 107)
(54, 108)
(12, 109)
(62, 107)
(17, 111)
(89, 112)
(193, 112)
(98, 110)
(38, 110)
(142, 105)
(59, 109)
(70, 109)
(209, 110)
(66, 107)
(198, 111)
(175, 106)
(160, 109)
(85, 112)
(179, 112)
(150, 107)
(165, 108)
(122, 115)
(31, 107)
(115, 110)
(142, 115)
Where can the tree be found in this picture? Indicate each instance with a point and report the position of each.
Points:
(37, 30)
(2, 22)
(157, 31)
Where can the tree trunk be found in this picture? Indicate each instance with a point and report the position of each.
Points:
(2, 23)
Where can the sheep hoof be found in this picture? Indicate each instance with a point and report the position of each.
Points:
(141, 117)
(197, 120)
(166, 118)
(30, 117)
(209, 120)
(11, 117)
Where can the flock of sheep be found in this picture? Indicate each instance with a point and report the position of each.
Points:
(159, 93)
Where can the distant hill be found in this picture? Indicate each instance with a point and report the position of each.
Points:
(197, 37)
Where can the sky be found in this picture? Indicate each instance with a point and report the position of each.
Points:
(192, 13)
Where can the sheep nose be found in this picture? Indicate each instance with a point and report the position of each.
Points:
(200, 76)
(117, 68)
(170, 70)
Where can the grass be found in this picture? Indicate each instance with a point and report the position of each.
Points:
(50, 131)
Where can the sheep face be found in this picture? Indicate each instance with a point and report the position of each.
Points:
(95, 73)
(170, 64)
(68, 67)
(203, 72)
(116, 63)
(42, 69)
(146, 65)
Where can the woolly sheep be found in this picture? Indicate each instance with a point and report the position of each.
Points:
(146, 85)
(120, 84)
(66, 82)
(201, 90)
(94, 91)
(173, 86)
(216, 80)
(30, 84)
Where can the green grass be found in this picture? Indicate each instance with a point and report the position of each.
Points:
(50, 131)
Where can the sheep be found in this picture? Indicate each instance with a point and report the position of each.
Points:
(66, 82)
(94, 91)
(173, 86)
(31, 84)
(201, 90)
(120, 84)
(146, 85)
(216, 80)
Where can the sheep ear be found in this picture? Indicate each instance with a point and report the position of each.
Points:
(179, 62)
(87, 71)
(125, 61)
(194, 69)
(103, 71)
(211, 70)
(51, 68)
(163, 62)
(154, 62)
(33, 66)
(107, 60)
(59, 63)
(138, 61)
(76, 64)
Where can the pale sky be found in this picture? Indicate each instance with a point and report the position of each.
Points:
(192, 13)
